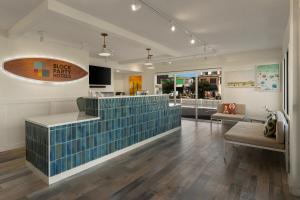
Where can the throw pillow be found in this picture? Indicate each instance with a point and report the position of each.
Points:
(229, 108)
(270, 126)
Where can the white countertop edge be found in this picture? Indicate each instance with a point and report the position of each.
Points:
(127, 96)
(38, 120)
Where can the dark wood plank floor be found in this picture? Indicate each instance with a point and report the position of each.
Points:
(184, 165)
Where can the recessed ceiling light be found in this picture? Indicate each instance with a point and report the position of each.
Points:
(117, 71)
(170, 62)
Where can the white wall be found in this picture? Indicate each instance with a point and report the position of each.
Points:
(254, 100)
(292, 41)
(119, 82)
(20, 99)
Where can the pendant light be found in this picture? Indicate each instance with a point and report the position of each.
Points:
(105, 51)
(148, 62)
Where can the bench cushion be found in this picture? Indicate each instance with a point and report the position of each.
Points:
(281, 127)
(251, 133)
(222, 116)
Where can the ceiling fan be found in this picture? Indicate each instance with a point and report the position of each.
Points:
(148, 62)
(105, 51)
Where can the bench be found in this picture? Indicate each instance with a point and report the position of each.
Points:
(239, 116)
(252, 135)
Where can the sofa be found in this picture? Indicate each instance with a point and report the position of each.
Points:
(219, 115)
(252, 135)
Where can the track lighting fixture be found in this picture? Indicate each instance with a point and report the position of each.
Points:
(192, 41)
(136, 5)
(173, 27)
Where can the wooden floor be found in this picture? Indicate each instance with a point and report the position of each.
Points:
(184, 165)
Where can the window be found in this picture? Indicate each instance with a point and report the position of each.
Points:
(213, 81)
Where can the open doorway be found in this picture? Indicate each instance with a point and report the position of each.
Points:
(199, 92)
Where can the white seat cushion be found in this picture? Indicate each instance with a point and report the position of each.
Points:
(251, 133)
(222, 116)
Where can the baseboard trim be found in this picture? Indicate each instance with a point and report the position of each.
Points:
(12, 146)
(81, 168)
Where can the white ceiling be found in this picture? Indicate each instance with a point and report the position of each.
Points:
(227, 25)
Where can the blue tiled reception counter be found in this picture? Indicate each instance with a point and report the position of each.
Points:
(59, 146)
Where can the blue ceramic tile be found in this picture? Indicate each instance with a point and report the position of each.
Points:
(69, 162)
(123, 122)
(52, 153)
(58, 166)
(52, 169)
(52, 137)
(69, 148)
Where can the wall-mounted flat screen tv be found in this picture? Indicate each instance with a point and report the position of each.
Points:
(99, 75)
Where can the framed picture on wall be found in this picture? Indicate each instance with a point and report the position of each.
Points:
(268, 77)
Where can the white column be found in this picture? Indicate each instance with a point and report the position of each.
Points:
(196, 97)
(175, 89)
(294, 176)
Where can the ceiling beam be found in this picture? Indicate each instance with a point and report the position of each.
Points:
(82, 17)
(23, 25)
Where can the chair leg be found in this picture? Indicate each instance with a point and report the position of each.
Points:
(210, 125)
(227, 153)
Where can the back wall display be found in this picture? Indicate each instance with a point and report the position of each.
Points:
(45, 69)
(135, 84)
(268, 77)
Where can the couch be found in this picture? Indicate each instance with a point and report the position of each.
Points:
(252, 135)
(219, 115)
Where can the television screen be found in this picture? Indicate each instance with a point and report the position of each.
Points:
(99, 75)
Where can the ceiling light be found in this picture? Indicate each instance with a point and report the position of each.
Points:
(105, 51)
(192, 41)
(173, 28)
(170, 62)
(117, 71)
(135, 6)
(150, 67)
(148, 62)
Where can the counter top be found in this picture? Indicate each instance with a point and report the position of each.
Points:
(126, 96)
(61, 119)
(173, 104)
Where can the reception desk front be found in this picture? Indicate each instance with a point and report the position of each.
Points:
(59, 146)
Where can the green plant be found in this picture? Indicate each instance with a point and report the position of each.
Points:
(168, 85)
